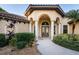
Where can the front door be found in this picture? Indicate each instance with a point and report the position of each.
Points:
(45, 29)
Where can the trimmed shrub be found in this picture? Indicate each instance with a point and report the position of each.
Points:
(68, 41)
(27, 37)
(22, 39)
(13, 41)
(3, 41)
(20, 44)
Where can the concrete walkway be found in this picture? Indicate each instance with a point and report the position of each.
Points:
(47, 47)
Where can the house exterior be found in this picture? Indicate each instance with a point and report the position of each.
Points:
(43, 20)
(46, 20)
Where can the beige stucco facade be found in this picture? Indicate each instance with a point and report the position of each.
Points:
(19, 27)
(52, 15)
(76, 31)
(38, 17)
(3, 26)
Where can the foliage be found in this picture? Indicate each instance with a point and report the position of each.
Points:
(68, 41)
(74, 16)
(20, 44)
(13, 41)
(2, 10)
(22, 39)
(27, 37)
(3, 41)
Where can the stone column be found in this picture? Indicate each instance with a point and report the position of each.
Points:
(59, 28)
(36, 30)
(52, 29)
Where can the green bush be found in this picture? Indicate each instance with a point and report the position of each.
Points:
(20, 44)
(22, 39)
(3, 41)
(68, 41)
(13, 41)
(27, 37)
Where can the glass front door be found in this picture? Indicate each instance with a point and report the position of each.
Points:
(45, 31)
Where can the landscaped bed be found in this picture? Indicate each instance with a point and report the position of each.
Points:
(9, 50)
(68, 41)
(20, 43)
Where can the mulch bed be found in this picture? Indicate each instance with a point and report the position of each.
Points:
(8, 50)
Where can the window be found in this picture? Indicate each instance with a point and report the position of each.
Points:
(45, 23)
(65, 29)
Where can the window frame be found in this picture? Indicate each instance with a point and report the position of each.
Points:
(65, 29)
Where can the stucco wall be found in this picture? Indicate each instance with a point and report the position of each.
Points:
(77, 28)
(76, 31)
(20, 27)
(70, 28)
(3, 24)
(51, 13)
(64, 21)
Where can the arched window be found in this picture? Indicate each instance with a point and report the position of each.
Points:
(57, 20)
(45, 23)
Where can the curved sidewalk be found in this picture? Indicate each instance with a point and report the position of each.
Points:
(47, 47)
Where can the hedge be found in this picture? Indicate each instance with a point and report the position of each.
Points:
(3, 41)
(22, 39)
(68, 41)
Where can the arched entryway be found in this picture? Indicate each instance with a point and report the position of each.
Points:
(44, 26)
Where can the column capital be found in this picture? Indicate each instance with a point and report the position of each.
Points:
(52, 20)
(36, 20)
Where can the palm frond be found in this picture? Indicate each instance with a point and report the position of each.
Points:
(73, 15)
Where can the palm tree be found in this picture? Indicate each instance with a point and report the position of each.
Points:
(74, 16)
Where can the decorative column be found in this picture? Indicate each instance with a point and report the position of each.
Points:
(52, 29)
(36, 30)
(59, 28)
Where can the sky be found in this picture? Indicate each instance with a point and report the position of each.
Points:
(19, 9)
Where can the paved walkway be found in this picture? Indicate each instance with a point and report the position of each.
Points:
(46, 47)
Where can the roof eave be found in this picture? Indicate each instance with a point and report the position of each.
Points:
(54, 6)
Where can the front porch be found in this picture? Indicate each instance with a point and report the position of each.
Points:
(44, 27)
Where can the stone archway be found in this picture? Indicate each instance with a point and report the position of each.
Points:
(44, 25)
